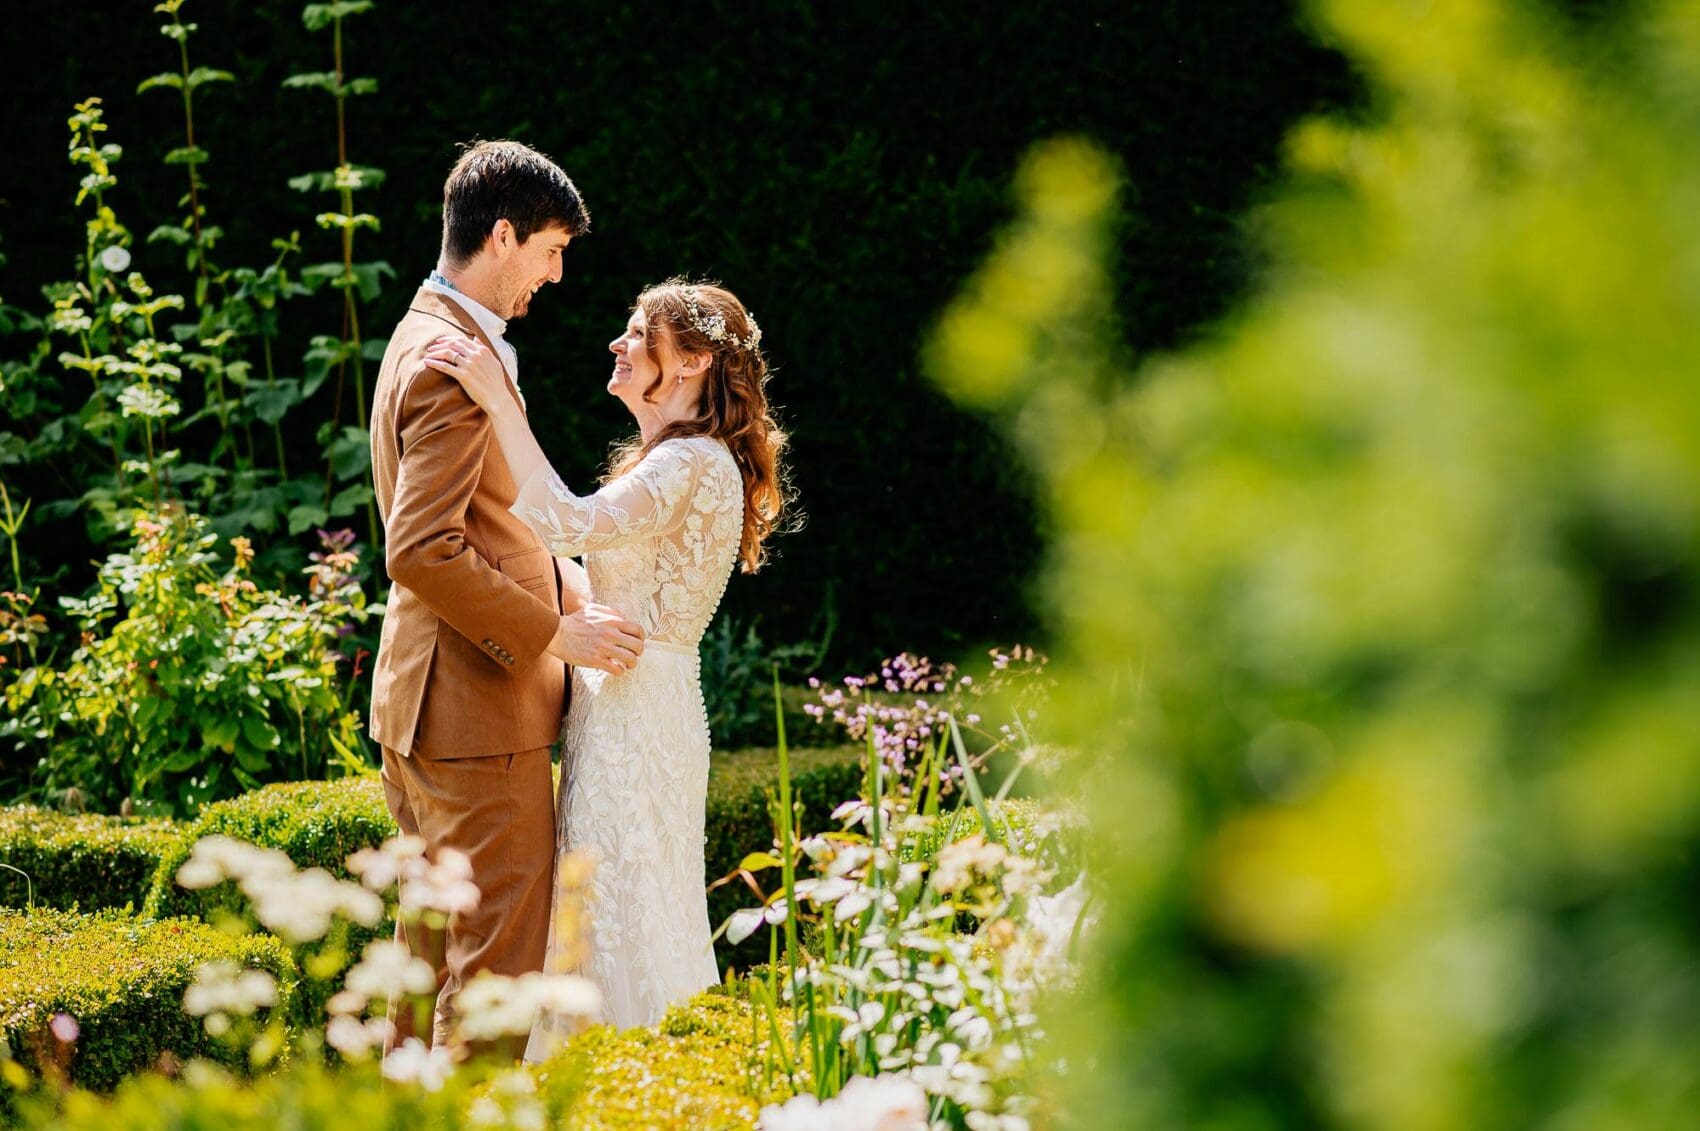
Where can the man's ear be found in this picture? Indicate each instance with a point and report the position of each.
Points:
(503, 239)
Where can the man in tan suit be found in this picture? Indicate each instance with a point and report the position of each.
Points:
(467, 691)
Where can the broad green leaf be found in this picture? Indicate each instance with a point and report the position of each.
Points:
(171, 233)
(351, 452)
(316, 80)
(350, 499)
(220, 732)
(271, 402)
(167, 79)
(306, 517)
(200, 76)
(317, 17)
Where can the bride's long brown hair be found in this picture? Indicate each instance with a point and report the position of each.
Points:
(733, 406)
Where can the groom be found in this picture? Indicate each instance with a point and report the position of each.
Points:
(469, 684)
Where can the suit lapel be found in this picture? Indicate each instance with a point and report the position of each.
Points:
(427, 301)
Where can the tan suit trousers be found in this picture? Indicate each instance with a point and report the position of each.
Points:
(500, 811)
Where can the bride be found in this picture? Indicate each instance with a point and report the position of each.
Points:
(698, 489)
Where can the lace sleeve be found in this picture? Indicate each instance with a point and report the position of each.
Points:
(646, 502)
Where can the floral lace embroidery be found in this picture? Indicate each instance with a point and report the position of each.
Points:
(659, 544)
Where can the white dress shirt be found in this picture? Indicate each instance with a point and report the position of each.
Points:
(487, 321)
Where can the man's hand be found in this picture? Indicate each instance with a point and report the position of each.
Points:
(598, 637)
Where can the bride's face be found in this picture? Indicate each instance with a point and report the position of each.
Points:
(637, 362)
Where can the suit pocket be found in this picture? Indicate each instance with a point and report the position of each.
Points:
(529, 568)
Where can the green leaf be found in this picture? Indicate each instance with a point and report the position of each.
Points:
(350, 499)
(175, 82)
(185, 759)
(370, 277)
(187, 155)
(271, 402)
(323, 353)
(315, 80)
(171, 233)
(317, 17)
(220, 732)
(305, 517)
(756, 861)
(361, 86)
(200, 76)
(351, 452)
(260, 733)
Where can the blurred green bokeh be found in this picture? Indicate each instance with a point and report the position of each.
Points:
(1381, 647)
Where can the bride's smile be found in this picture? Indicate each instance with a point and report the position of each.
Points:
(634, 368)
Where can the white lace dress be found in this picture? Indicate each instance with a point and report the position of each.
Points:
(658, 544)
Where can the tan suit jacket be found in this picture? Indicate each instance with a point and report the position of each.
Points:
(461, 668)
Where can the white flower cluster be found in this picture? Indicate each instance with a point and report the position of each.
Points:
(974, 859)
(909, 997)
(889, 1102)
(387, 972)
(223, 991)
(296, 906)
(444, 885)
(413, 1063)
(492, 1006)
(713, 326)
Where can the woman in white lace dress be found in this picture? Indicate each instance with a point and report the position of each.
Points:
(698, 490)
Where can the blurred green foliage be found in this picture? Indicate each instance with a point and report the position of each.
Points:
(1382, 644)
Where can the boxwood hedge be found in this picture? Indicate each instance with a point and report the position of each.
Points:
(318, 824)
(122, 978)
(82, 860)
(695, 1069)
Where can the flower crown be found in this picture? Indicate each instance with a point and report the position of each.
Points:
(713, 326)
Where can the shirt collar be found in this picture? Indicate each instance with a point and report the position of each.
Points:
(485, 317)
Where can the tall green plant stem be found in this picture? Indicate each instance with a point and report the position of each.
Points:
(350, 308)
(192, 165)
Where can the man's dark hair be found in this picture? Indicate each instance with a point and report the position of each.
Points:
(504, 180)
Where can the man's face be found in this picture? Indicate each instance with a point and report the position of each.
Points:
(526, 266)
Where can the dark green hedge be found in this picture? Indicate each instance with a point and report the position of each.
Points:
(123, 980)
(840, 166)
(84, 861)
(317, 824)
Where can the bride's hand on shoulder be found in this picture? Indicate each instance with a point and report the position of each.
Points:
(469, 362)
